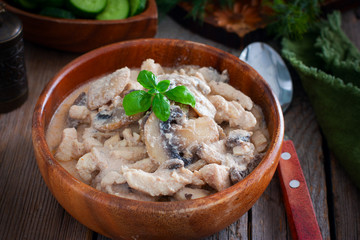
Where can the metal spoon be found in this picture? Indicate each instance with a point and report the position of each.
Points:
(299, 208)
(266, 61)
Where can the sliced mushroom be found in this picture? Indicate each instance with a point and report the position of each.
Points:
(236, 174)
(203, 106)
(239, 141)
(236, 137)
(196, 131)
(115, 118)
(196, 165)
(123, 190)
(106, 88)
(160, 139)
(172, 164)
(81, 100)
(154, 141)
(78, 111)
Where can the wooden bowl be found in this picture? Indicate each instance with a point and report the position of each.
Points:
(81, 35)
(117, 217)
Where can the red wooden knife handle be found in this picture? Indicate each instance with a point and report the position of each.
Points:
(299, 208)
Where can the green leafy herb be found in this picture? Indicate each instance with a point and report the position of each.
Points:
(161, 107)
(182, 95)
(147, 79)
(292, 18)
(157, 97)
(136, 102)
(163, 85)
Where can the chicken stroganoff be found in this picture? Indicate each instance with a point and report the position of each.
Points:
(196, 152)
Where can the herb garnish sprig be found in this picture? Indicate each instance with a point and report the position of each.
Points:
(156, 97)
(292, 18)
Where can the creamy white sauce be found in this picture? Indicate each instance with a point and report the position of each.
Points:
(151, 178)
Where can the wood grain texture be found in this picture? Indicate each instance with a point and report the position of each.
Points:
(346, 203)
(268, 218)
(237, 230)
(28, 210)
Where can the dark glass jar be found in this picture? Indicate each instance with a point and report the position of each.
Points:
(13, 82)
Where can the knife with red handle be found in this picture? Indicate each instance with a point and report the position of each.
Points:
(298, 204)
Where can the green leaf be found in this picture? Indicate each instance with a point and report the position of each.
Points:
(182, 95)
(136, 102)
(141, 101)
(147, 79)
(163, 85)
(161, 107)
(153, 92)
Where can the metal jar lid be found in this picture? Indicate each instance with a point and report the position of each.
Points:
(10, 28)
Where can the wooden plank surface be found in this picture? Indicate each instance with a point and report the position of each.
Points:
(28, 210)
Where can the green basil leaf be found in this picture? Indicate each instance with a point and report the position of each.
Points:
(161, 107)
(182, 95)
(136, 101)
(147, 79)
(153, 92)
(163, 85)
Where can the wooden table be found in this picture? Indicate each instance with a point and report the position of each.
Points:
(29, 211)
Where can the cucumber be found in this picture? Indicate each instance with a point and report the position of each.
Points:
(137, 6)
(115, 9)
(87, 8)
(56, 13)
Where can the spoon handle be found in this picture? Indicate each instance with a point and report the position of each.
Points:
(299, 208)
